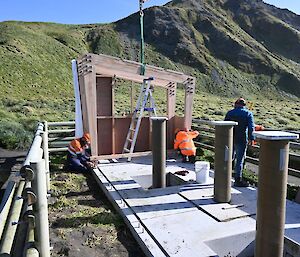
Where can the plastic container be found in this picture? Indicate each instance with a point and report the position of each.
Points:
(202, 172)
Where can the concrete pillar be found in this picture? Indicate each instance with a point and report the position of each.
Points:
(272, 186)
(158, 152)
(223, 160)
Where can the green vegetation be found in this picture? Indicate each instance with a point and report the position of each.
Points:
(70, 191)
(230, 53)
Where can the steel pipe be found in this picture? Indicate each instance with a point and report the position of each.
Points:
(12, 224)
(30, 249)
(58, 131)
(35, 152)
(63, 123)
(6, 204)
(39, 186)
(46, 154)
(272, 186)
(60, 139)
(60, 149)
(32, 252)
(158, 152)
(59, 144)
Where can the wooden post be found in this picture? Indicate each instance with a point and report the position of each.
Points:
(188, 107)
(87, 80)
(113, 140)
(171, 105)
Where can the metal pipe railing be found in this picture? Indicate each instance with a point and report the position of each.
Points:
(35, 169)
(60, 139)
(46, 154)
(35, 152)
(61, 123)
(13, 220)
(199, 125)
(39, 186)
(6, 204)
(58, 131)
(60, 135)
(30, 249)
(58, 149)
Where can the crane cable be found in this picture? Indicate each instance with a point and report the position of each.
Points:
(142, 60)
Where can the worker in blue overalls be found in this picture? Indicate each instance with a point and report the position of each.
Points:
(242, 135)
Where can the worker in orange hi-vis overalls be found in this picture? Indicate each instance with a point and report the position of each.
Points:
(184, 143)
(78, 158)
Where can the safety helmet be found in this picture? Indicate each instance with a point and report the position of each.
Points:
(87, 137)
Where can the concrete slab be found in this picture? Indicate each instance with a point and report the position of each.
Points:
(241, 205)
(275, 135)
(184, 220)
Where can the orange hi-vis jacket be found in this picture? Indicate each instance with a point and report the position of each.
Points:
(184, 142)
(75, 147)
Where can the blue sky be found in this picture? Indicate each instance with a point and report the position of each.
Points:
(92, 11)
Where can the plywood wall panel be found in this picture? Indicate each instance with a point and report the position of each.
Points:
(121, 128)
(104, 136)
(104, 96)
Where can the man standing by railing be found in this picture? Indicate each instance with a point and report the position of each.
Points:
(242, 134)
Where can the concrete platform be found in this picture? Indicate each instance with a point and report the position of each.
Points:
(183, 220)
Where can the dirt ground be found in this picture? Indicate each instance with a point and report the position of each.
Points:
(10, 161)
(82, 221)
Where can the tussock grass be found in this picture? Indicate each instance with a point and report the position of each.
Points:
(36, 79)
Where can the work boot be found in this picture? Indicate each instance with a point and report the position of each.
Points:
(240, 183)
(185, 158)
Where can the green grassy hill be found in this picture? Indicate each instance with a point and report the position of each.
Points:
(234, 48)
(35, 77)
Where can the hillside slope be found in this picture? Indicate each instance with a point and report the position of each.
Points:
(227, 41)
(234, 48)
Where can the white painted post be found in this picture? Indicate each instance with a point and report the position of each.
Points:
(78, 112)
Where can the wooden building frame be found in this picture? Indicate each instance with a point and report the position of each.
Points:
(96, 76)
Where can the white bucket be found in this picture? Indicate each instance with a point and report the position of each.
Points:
(202, 172)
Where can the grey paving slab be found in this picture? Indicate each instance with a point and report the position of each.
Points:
(183, 220)
(145, 240)
(240, 205)
(292, 221)
(186, 234)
